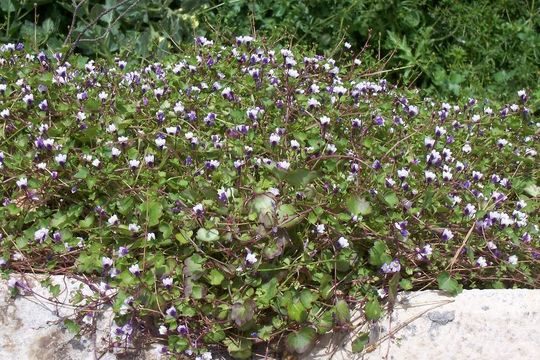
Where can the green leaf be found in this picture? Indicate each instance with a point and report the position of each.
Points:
(242, 313)
(373, 310)
(326, 322)
(300, 178)
(448, 284)
(81, 174)
(239, 349)
(361, 340)
(358, 205)
(406, 284)
(302, 340)
(378, 254)
(287, 216)
(532, 189)
(391, 199)
(343, 313)
(297, 312)
(72, 326)
(216, 277)
(267, 292)
(215, 335)
(153, 210)
(193, 266)
(184, 236)
(207, 235)
(307, 298)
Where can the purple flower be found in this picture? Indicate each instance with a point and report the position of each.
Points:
(393, 267)
(43, 106)
(171, 311)
(182, 330)
(402, 227)
(123, 251)
(57, 236)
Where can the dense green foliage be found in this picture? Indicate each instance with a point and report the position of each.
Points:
(482, 48)
(250, 194)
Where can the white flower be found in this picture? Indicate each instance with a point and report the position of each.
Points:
(96, 162)
(325, 120)
(447, 234)
(167, 282)
(134, 269)
(331, 148)
(160, 142)
(274, 139)
(198, 209)
(111, 128)
(22, 182)
(466, 148)
(106, 261)
(251, 258)
(440, 131)
(481, 261)
(430, 175)
(429, 142)
(60, 158)
(470, 210)
(447, 175)
(320, 228)
(206, 356)
(162, 330)
(41, 234)
(28, 98)
(150, 236)
(513, 260)
(293, 73)
(149, 158)
(134, 227)
(171, 130)
(403, 173)
(113, 220)
(284, 165)
(134, 163)
(491, 245)
(115, 151)
(312, 102)
(178, 108)
(343, 243)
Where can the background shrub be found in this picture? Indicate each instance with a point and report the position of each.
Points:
(487, 48)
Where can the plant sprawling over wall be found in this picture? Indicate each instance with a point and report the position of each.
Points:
(245, 194)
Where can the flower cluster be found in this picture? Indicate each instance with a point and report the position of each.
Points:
(221, 188)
